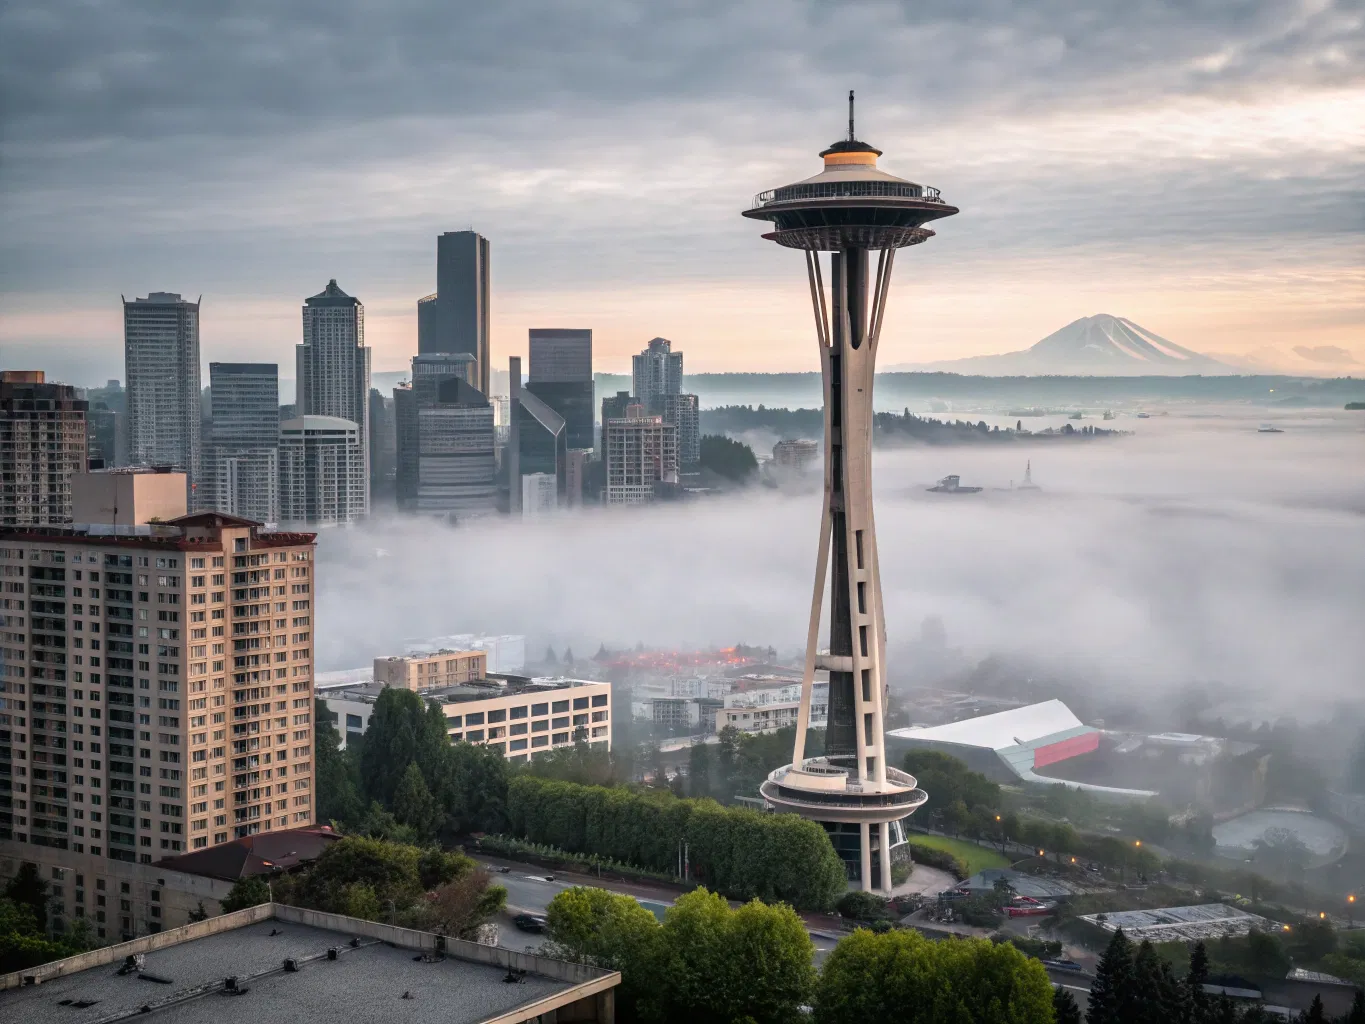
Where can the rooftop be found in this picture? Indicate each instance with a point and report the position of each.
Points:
(255, 855)
(1168, 924)
(293, 965)
(489, 689)
(1001, 730)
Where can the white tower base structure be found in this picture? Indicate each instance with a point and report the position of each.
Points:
(850, 209)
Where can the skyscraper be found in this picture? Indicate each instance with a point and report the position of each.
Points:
(851, 209)
(641, 452)
(456, 317)
(43, 442)
(682, 412)
(542, 445)
(561, 377)
(655, 372)
(323, 477)
(161, 359)
(334, 366)
(241, 459)
(456, 463)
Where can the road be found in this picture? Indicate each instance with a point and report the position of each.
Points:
(530, 889)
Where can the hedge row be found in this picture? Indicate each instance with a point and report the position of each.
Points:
(738, 852)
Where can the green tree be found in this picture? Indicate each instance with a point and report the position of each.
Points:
(579, 762)
(462, 904)
(403, 730)
(413, 805)
(1316, 1014)
(1064, 1008)
(719, 964)
(973, 981)
(246, 892)
(605, 929)
(1357, 1014)
(473, 791)
(1195, 980)
(1112, 993)
(1158, 995)
(948, 780)
(28, 889)
(731, 459)
(390, 870)
(334, 770)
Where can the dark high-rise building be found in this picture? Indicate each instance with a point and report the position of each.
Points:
(383, 444)
(542, 445)
(561, 377)
(456, 462)
(456, 318)
(241, 459)
(43, 443)
(405, 445)
(244, 402)
(161, 357)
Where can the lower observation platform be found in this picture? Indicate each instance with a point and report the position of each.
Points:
(864, 818)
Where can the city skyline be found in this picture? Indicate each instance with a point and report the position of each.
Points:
(1197, 173)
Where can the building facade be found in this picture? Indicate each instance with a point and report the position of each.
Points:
(518, 717)
(655, 372)
(425, 671)
(641, 454)
(539, 495)
(684, 413)
(561, 376)
(241, 458)
(158, 692)
(456, 317)
(542, 445)
(44, 441)
(333, 367)
(323, 477)
(796, 456)
(456, 460)
(161, 359)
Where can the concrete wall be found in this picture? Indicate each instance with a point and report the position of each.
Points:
(156, 899)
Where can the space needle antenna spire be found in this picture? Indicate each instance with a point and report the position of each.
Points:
(849, 221)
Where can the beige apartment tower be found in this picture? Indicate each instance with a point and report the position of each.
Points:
(157, 691)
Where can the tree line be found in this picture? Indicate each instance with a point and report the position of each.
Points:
(754, 965)
(739, 852)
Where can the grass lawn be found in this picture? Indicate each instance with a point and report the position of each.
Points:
(975, 857)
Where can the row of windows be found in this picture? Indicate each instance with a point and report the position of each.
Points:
(536, 711)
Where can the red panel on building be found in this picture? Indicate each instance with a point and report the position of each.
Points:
(1062, 749)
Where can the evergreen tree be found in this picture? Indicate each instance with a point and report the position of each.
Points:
(402, 730)
(550, 657)
(1357, 1014)
(1112, 992)
(1196, 998)
(1316, 1014)
(1064, 1007)
(568, 656)
(334, 770)
(1156, 993)
(412, 802)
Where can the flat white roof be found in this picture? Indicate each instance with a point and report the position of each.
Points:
(1000, 730)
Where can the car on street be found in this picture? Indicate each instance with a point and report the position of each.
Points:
(529, 922)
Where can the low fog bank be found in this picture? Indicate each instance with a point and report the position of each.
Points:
(1195, 551)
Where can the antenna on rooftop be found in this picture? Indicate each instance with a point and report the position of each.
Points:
(850, 116)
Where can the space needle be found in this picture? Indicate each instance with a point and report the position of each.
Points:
(851, 209)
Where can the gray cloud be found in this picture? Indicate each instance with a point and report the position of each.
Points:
(1333, 355)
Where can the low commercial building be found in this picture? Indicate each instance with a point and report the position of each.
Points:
(286, 963)
(675, 712)
(518, 716)
(758, 719)
(1009, 745)
(425, 671)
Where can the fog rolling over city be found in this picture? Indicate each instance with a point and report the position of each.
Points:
(1194, 551)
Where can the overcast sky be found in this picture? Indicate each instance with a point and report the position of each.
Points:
(1197, 167)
